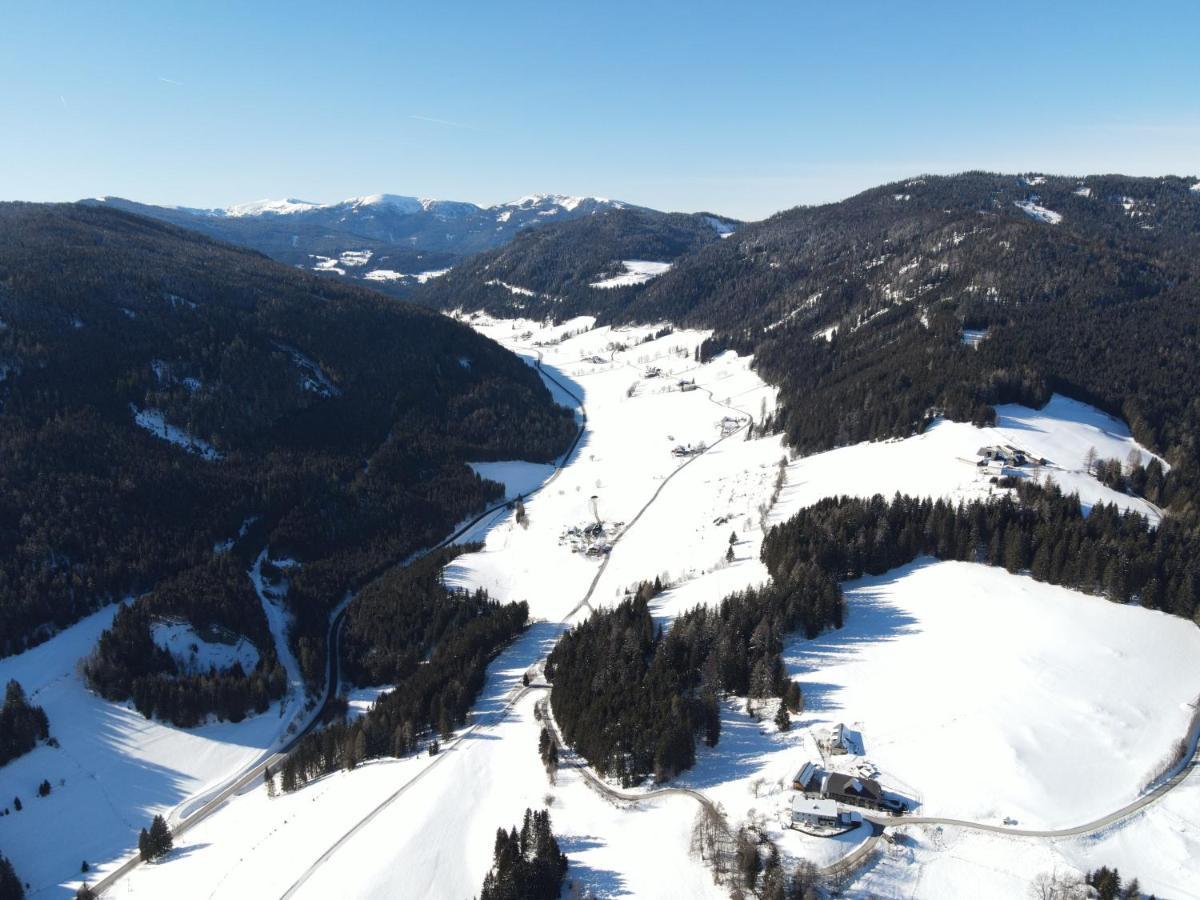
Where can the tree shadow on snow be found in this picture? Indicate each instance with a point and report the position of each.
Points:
(871, 619)
(744, 746)
(583, 880)
(506, 670)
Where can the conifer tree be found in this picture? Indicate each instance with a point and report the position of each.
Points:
(782, 720)
(10, 885)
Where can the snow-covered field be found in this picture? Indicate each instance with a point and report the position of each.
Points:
(637, 271)
(153, 421)
(517, 476)
(978, 693)
(113, 769)
(979, 689)
(196, 653)
(1032, 208)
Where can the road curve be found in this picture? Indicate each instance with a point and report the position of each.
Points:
(1091, 827)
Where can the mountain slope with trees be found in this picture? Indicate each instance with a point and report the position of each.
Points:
(337, 424)
(551, 271)
(857, 310)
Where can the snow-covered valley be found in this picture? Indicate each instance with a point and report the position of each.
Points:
(977, 694)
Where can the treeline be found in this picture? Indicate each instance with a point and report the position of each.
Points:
(1107, 552)
(527, 865)
(632, 700)
(128, 664)
(22, 724)
(433, 697)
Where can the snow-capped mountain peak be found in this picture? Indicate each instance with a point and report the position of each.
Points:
(561, 201)
(270, 208)
(398, 202)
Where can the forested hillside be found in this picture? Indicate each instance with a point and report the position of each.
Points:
(939, 295)
(552, 270)
(170, 405)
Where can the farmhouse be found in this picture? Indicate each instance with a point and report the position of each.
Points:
(1002, 455)
(853, 790)
(814, 812)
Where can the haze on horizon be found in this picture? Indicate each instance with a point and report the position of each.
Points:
(740, 111)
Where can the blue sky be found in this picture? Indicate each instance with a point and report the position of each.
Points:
(741, 108)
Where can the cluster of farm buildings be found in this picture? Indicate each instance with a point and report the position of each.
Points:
(820, 793)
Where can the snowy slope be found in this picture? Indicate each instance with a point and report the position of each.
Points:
(637, 271)
(196, 653)
(113, 769)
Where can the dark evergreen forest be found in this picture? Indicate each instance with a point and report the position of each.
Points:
(433, 644)
(343, 420)
(22, 724)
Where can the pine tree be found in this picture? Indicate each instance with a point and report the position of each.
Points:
(10, 885)
(782, 720)
(794, 697)
(158, 840)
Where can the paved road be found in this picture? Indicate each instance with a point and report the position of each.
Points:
(1074, 831)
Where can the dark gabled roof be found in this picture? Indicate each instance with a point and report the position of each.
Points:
(852, 786)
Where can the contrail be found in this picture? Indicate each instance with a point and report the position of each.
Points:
(170, 81)
(443, 122)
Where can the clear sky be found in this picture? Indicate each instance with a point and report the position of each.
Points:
(738, 107)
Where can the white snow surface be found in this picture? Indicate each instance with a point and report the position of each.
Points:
(637, 271)
(1031, 208)
(1002, 735)
(198, 654)
(270, 208)
(973, 337)
(153, 421)
(518, 477)
(113, 769)
(1068, 670)
(721, 227)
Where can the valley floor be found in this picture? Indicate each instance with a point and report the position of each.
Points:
(975, 693)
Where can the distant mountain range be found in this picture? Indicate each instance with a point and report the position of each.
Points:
(389, 241)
